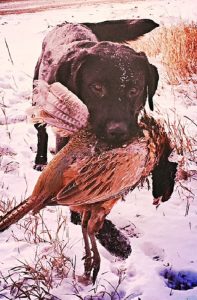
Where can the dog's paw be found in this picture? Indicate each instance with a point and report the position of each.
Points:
(114, 240)
(39, 167)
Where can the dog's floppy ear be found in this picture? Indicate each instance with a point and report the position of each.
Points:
(70, 64)
(153, 78)
(68, 69)
(75, 70)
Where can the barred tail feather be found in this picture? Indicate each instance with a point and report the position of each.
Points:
(16, 213)
(59, 107)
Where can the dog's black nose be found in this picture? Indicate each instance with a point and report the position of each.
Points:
(116, 131)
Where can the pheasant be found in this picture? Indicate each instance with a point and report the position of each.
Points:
(88, 175)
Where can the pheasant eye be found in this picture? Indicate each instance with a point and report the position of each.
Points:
(98, 89)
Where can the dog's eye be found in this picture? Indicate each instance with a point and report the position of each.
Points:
(132, 91)
(98, 89)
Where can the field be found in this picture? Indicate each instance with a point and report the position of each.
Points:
(41, 256)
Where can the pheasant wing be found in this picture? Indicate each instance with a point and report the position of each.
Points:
(58, 107)
(106, 176)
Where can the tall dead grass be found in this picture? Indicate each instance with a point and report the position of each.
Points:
(177, 47)
(36, 279)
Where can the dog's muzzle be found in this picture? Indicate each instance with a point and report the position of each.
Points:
(116, 132)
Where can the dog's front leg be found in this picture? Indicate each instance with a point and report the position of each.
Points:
(41, 156)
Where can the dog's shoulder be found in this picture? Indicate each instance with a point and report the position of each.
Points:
(67, 33)
(59, 44)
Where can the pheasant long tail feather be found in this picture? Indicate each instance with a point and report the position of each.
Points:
(16, 213)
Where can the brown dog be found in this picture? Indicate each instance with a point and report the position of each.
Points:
(110, 78)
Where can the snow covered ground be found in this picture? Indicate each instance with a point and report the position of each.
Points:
(164, 240)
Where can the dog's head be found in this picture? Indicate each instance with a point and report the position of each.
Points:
(114, 82)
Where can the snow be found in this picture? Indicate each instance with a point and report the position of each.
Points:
(163, 240)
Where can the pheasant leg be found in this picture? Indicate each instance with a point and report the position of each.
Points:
(87, 258)
(96, 258)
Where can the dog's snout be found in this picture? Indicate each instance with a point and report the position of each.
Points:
(117, 131)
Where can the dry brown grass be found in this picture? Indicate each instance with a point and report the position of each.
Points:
(182, 142)
(50, 266)
(6, 204)
(177, 47)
